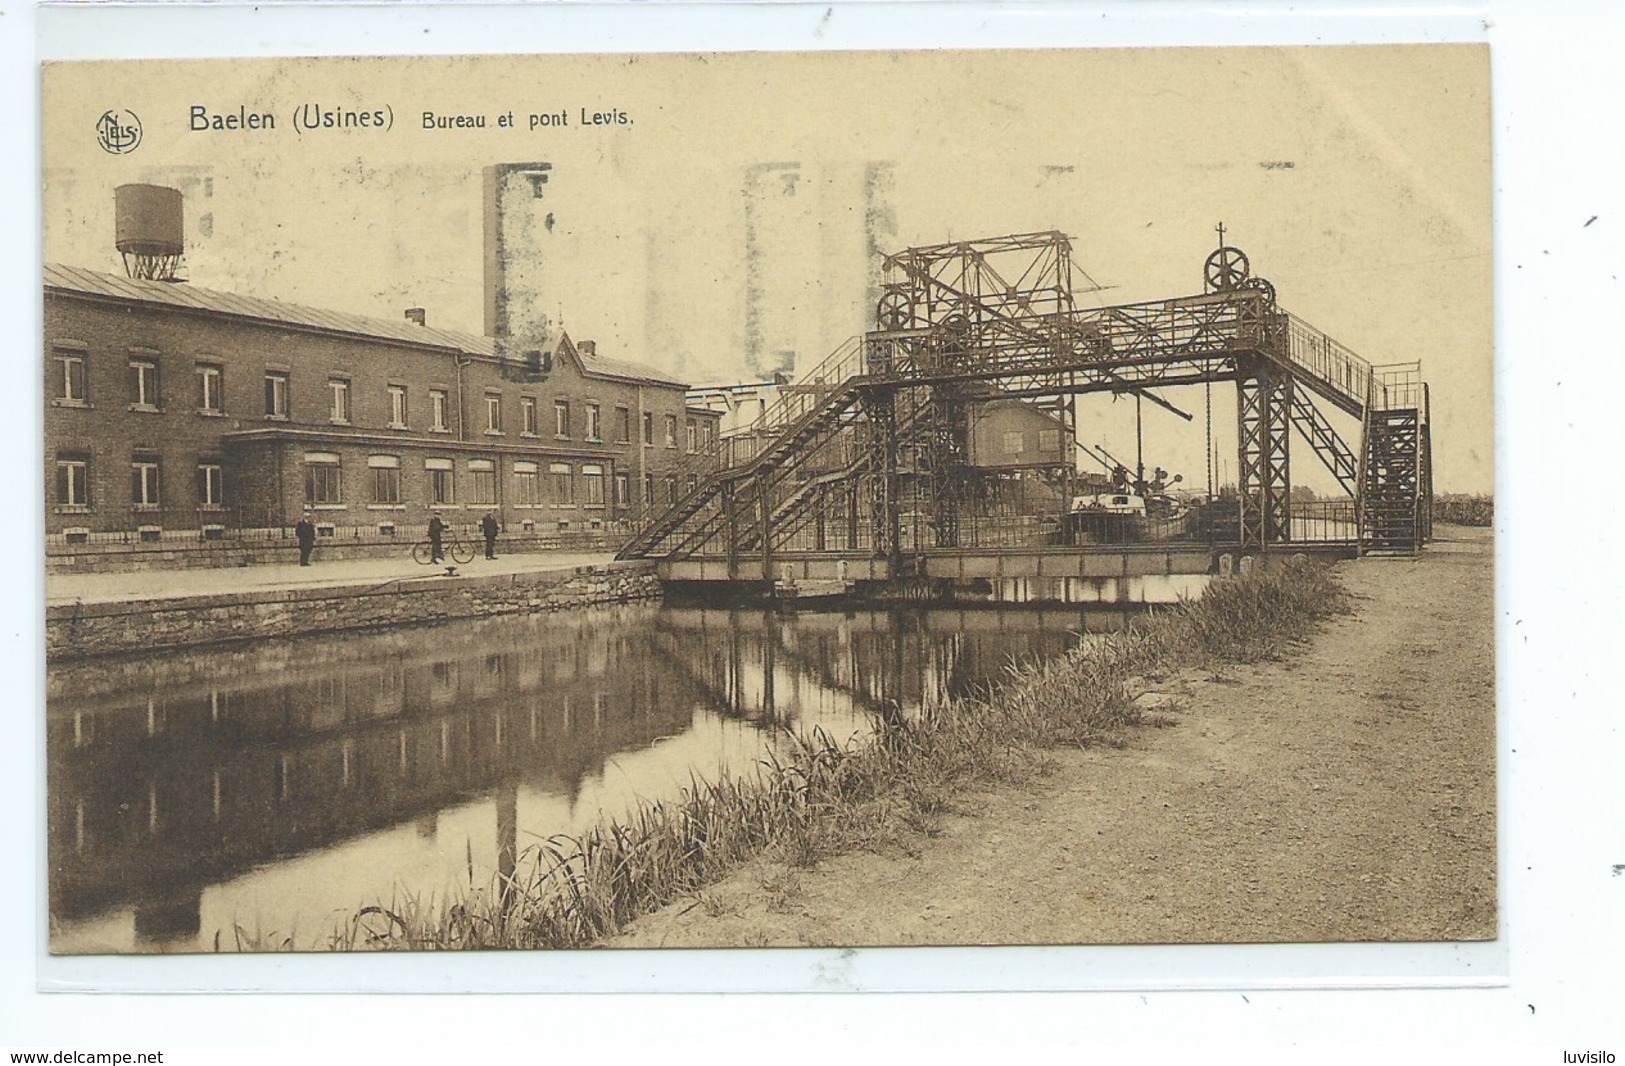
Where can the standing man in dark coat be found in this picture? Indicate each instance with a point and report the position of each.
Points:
(437, 529)
(305, 533)
(488, 526)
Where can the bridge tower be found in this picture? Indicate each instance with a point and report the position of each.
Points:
(1264, 437)
(1264, 408)
(959, 294)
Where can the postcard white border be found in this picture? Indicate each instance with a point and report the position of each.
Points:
(1559, 587)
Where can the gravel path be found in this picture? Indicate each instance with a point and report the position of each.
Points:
(1346, 793)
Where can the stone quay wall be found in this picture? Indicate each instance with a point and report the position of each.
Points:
(85, 630)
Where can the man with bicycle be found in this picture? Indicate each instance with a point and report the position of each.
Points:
(437, 529)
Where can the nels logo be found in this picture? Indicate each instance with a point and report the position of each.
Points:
(118, 131)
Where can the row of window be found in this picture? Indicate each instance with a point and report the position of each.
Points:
(532, 485)
(1015, 441)
(145, 394)
(477, 485)
(146, 483)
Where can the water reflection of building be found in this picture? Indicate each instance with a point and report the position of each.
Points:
(173, 774)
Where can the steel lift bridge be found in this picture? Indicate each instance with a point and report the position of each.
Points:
(863, 461)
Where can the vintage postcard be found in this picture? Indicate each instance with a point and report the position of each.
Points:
(769, 499)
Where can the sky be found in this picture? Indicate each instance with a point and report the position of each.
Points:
(1356, 179)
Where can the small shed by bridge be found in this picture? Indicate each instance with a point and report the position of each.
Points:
(1013, 435)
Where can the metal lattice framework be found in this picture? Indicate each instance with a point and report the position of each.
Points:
(961, 283)
(1263, 422)
(866, 453)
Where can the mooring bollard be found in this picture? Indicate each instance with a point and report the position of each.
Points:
(1227, 564)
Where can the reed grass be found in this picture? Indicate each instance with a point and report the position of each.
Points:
(820, 795)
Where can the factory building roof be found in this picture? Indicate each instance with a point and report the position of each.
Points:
(189, 297)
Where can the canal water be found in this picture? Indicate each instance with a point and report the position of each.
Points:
(276, 789)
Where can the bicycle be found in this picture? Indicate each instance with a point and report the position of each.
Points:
(452, 547)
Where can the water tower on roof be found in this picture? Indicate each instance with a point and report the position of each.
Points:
(149, 230)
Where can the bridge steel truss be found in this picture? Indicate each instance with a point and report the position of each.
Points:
(878, 433)
(1263, 433)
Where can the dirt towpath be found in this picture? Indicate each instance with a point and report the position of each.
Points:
(1346, 793)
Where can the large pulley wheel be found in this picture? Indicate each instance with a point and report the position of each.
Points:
(1226, 269)
(894, 311)
(1274, 323)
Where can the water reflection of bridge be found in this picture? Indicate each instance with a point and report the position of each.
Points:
(757, 665)
(176, 773)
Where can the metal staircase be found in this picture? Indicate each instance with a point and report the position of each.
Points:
(805, 410)
(784, 476)
(1322, 437)
(1392, 477)
(1395, 511)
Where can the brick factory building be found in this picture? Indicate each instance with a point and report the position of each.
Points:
(177, 416)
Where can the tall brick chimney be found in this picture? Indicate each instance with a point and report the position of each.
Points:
(518, 251)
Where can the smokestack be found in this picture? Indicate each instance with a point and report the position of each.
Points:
(418, 315)
(517, 252)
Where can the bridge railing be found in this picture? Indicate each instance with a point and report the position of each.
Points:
(1193, 325)
(1399, 385)
(1332, 363)
(1317, 522)
(1324, 522)
(1047, 342)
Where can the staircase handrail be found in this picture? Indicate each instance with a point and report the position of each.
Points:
(803, 394)
(910, 415)
(1400, 386)
(730, 451)
(1363, 478)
